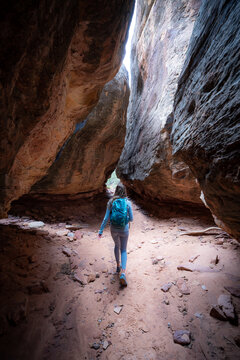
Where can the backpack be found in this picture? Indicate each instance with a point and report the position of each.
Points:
(119, 213)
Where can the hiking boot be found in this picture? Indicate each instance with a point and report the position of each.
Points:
(118, 269)
(123, 280)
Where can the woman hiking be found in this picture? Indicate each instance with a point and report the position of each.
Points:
(119, 210)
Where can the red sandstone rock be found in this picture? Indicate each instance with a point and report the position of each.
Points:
(206, 132)
(182, 286)
(160, 41)
(54, 63)
(90, 155)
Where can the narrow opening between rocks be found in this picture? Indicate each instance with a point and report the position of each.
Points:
(112, 182)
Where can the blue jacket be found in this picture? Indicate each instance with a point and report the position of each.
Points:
(107, 215)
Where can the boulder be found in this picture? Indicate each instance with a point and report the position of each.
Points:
(161, 37)
(182, 337)
(90, 155)
(225, 303)
(182, 286)
(217, 313)
(206, 131)
(54, 63)
(224, 310)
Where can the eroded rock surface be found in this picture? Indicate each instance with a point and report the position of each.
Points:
(54, 61)
(90, 155)
(206, 131)
(161, 37)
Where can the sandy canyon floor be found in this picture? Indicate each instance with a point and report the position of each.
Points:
(61, 299)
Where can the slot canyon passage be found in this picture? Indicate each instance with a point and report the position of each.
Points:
(69, 118)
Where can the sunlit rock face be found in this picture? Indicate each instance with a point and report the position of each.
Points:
(206, 131)
(90, 155)
(160, 42)
(54, 62)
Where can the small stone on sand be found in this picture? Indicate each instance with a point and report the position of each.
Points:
(36, 224)
(182, 337)
(117, 309)
(166, 287)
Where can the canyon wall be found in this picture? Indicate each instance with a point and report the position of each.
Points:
(54, 62)
(160, 42)
(90, 155)
(206, 130)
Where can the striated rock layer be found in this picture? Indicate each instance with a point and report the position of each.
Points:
(161, 37)
(90, 155)
(206, 131)
(54, 62)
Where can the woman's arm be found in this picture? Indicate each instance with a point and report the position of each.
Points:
(130, 213)
(105, 220)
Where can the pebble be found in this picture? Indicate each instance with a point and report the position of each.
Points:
(182, 286)
(36, 224)
(70, 234)
(95, 346)
(106, 344)
(219, 242)
(182, 337)
(67, 251)
(182, 228)
(98, 291)
(198, 315)
(80, 279)
(111, 325)
(62, 232)
(193, 258)
(118, 309)
(144, 329)
(166, 287)
(182, 309)
(204, 288)
(91, 278)
(78, 235)
(112, 280)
